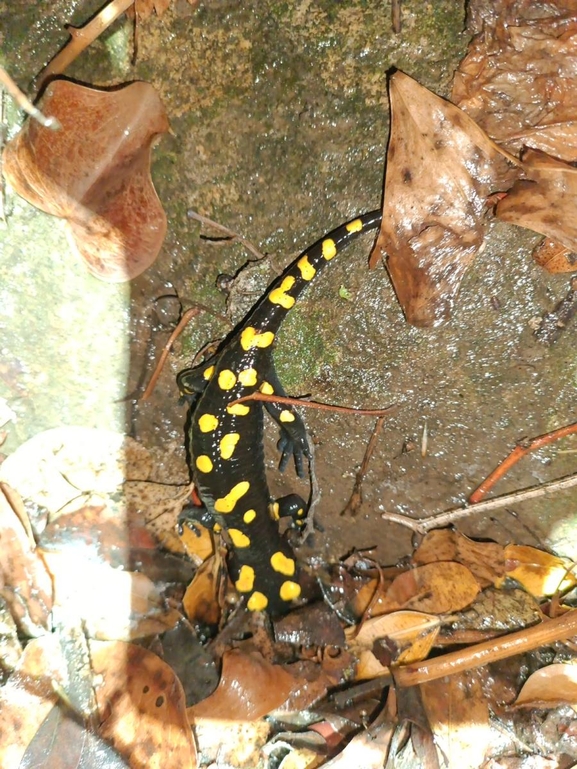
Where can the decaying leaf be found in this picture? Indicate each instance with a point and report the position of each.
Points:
(406, 636)
(95, 173)
(25, 583)
(485, 559)
(540, 573)
(546, 200)
(201, 600)
(518, 80)
(440, 169)
(142, 707)
(249, 688)
(434, 588)
(550, 687)
(555, 257)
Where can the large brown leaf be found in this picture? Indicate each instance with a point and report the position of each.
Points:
(95, 173)
(440, 169)
(518, 80)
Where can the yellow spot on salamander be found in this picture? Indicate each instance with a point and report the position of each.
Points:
(207, 423)
(226, 504)
(237, 538)
(208, 372)
(274, 510)
(289, 590)
(247, 377)
(355, 226)
(282, 564)
(203, 463)
(245, 581)
(286, 416)
(280, 296)
(217, 528)
(257, 602)
(249, 516)
(226, 379)
(329, 249)
(238, 409)
(306, 269)
(250, 337)
(228, 444)
(266, 388)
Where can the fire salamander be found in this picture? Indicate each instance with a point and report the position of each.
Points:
(225, 438)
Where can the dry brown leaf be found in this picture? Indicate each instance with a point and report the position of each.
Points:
(550, 687)
(440, 169)
(458, 713)
(518, 80)
(25, 583)
(28, 697)
(198, 547)
(485, 559)
(95, 173)
(201, 599)
(435, 588)
(554, 257)
(142, 707)
(546, 200)
(540, 573)
(249, 688)
(407, 636)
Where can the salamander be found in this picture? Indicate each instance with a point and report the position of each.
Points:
(225, 439)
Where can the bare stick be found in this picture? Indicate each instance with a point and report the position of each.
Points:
(230, 234)
(523, 448)
(547, 632)
(24, 102)
(424, 525)
(81, 37)
(313, 405)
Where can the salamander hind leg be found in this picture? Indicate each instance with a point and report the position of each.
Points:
(190, 515)
(292, 506)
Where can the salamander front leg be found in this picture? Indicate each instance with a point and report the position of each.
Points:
(293, 439)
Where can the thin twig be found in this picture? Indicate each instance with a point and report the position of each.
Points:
(187, 316)
(231, 235)
(356, 498)
(547, 632)
(24, 102)
(523, 448)
(424, 525)
(81, 37)
(314, 405)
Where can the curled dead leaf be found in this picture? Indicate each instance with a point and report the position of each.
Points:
(249, 688)
(142, 707)
(545, 200)
(485, 559)
(554, 257)
(550, 687)
(95, 173)
(408, 636)
(434, 588)
(440, 169)
(540, 573)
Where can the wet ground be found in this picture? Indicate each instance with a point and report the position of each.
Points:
(279, 116)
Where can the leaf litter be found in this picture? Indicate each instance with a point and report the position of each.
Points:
(293, 673)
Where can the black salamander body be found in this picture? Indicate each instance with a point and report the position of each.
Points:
(225, 441)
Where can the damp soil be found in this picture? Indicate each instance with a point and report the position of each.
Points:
(279, 117)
